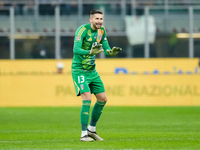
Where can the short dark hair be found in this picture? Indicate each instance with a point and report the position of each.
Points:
(95, 11)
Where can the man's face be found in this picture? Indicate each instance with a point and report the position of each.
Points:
(96, 21)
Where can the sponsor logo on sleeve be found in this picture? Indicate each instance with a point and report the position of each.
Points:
(78, 38)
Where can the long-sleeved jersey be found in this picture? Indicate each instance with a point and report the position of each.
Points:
(85, 36)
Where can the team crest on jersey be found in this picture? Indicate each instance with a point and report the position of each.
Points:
(78, 38)
(82, 87)
(100, 36)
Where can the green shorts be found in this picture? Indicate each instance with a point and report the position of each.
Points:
(87, 81)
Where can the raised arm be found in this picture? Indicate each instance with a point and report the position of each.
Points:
(108, 51)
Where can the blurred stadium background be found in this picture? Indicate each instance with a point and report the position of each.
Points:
(162, 37)
(53, 22)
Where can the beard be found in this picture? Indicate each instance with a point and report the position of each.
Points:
(97, 26)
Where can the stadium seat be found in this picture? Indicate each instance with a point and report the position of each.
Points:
(174, 30)
(183, 30)
(45, 30)
(28, 30)
(62, 30)
(18, 30)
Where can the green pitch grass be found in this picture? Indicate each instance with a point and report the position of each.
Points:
(121, 127)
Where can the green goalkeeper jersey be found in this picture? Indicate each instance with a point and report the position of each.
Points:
(85, 36)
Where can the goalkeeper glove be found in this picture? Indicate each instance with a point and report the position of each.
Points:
(96, 49)
(114, 51)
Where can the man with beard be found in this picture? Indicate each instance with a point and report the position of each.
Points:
(90, 40)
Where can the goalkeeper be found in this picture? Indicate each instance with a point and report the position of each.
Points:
(90, 40)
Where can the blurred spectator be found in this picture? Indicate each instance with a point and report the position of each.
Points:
(3, 12)
(65, 9)
(39, 50)
(1, 4)
(16, 8)
(45, 7)
(69, 8)
(88, 7)
(114, 8)
(28, 9)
